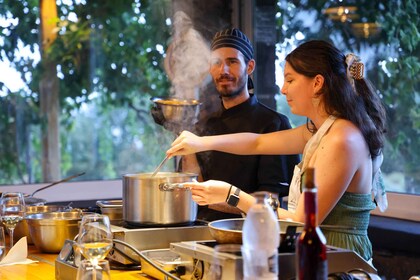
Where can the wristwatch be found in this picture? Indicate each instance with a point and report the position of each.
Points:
(233, 199)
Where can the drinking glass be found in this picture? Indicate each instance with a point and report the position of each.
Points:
(12, 211)
(221, 253)
(89, 271)
(95, 237)
(2, 243)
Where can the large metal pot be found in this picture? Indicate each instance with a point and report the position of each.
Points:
(158, 200)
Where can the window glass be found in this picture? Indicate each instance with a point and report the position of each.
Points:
(106, 62)
(385, 35)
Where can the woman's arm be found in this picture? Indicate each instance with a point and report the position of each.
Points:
(285, 142)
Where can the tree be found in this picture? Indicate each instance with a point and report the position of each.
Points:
(113, 49)
(393, 64)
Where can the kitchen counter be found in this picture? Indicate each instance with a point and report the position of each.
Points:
(44, 269)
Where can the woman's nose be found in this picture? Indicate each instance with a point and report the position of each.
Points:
(283, 89)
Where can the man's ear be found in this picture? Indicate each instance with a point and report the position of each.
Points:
(318, 83)
(250, 67)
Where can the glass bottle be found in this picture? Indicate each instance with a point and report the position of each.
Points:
(311, 249)
(260, 239)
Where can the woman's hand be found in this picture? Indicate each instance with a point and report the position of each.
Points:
(208, 192)
(186, 143)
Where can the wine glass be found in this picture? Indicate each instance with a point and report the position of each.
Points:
(95, 237)
(89, 271)
(12, 211)
(2, 243)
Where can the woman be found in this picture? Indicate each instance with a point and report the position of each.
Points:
(344, 136)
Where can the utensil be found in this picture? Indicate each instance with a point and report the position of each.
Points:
(113, 209)
(22, 228)
(230, 230)
(173, 110)
(57, 182)
(50, 230)
(146, 204)
(159, 166)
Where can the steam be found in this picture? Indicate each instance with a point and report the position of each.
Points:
(187, 61)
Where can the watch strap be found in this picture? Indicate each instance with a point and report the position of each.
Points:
(237, 191)
(233, 199)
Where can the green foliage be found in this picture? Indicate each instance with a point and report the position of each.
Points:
(110, 64)
(393, 65)
(109, 60)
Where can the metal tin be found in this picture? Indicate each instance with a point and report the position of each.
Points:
(113, 209)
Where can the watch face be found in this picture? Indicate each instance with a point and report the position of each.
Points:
(233, 200)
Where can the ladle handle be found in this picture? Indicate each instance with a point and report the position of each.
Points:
(58, 182)
(159, 166)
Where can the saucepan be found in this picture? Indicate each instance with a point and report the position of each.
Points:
(158, 200)
(230, 230)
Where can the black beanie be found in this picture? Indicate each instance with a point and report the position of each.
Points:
(233, 38)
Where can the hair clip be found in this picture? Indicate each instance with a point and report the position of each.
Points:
(356, 70)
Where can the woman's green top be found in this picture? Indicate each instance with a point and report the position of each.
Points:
(352, 210)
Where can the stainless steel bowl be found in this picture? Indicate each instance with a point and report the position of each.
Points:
(178, 110)
(49, 230)
(22, 228)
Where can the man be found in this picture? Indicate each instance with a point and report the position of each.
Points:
(231, 65)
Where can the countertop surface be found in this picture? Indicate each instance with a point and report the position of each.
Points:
(44, 269)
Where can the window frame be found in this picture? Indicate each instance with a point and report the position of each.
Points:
(400, 206)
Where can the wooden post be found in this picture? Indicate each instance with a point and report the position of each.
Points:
(49, 96)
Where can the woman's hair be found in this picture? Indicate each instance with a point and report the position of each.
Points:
(360, 105)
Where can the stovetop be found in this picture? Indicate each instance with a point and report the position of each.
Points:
(150, 238)
(339, 260)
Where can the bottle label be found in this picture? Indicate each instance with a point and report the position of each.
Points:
(273, 264)
(260, 264)
(322, 270)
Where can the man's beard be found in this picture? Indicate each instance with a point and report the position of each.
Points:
(225, 91)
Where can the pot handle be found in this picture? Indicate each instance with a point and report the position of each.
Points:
(171, 186)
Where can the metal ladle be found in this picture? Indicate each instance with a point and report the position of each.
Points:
(57, 182)
(159, 166)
